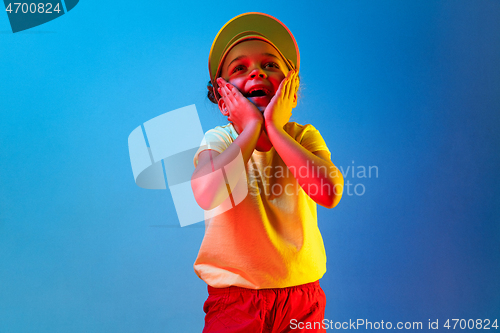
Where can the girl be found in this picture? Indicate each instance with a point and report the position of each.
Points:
(262, 258)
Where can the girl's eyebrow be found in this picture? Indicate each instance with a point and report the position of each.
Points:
(270, 55)
(236, 59)
(244, 56)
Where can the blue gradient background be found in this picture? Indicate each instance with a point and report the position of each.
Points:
(412, 87)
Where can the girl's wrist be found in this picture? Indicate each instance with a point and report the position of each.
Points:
(270, 126)
(254, 125)
(272, 129)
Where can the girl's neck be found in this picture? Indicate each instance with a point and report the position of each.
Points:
(263, 143)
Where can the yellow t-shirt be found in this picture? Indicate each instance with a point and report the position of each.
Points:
(271, 238)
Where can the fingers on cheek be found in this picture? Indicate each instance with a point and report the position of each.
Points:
(287, 88)
(224, 97)
(222, 92)
(233, 92)
(282, 89)
(227, 95)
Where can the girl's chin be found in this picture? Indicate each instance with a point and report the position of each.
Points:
(260, 102)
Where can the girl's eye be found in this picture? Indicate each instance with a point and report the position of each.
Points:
(238, 68)
(271, 64)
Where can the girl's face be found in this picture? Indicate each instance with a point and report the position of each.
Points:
(256, 69)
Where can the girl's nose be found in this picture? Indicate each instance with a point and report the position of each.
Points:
(257, 72)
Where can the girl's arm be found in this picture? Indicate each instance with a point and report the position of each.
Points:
(211, 190)
(323, 182)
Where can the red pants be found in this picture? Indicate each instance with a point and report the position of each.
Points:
(293, 309)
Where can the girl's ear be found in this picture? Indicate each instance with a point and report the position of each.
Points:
(222, 107)
(294, 100)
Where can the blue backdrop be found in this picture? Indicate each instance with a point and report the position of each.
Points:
(409, 88)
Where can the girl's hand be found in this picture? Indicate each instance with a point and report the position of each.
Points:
(279, 109)
(239, 109)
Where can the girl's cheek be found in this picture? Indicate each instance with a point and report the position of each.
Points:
(235, 82)
(276, 84)
(238, 85)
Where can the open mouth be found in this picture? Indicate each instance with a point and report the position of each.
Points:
(258, 92)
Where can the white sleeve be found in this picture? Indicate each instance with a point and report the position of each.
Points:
(217, 139)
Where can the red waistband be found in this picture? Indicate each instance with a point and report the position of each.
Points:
(213, 291)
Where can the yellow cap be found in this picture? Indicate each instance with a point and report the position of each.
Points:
(252, 26)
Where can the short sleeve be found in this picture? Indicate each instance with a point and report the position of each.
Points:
(217, 139)
(308, 137)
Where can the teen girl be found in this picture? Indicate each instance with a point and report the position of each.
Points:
(262, 259)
